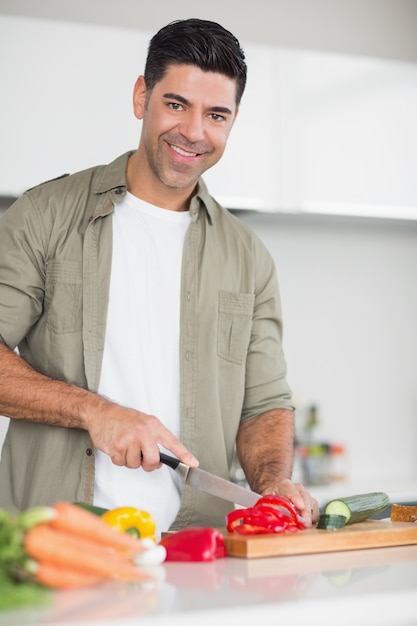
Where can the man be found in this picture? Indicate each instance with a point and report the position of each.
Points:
(146, 317)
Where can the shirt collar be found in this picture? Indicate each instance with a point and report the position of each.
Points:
(111, 178)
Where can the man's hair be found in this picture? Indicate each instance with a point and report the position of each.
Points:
(203, 43)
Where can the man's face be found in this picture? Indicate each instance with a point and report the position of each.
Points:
(187, 119)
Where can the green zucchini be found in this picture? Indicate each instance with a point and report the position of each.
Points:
(331, 522)
(97, 510)
(359, 507)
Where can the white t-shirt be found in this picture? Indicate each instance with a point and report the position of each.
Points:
(141, 351)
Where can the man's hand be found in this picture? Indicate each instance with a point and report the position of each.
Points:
(131, 438)
(296, 492)
(265, 448)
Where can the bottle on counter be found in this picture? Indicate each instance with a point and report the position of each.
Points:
(338, 462)
(300, 452)
(311, 424)
(316, 464)
(314, 451)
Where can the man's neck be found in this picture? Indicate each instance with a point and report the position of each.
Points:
(144, 186)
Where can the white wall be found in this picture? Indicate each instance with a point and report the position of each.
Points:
(375, 28)
(349, 295)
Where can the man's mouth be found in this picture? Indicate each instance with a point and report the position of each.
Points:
(183, 152)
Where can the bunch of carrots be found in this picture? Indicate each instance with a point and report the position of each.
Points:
(65, 546)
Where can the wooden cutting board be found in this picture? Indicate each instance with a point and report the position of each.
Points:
(363, 535)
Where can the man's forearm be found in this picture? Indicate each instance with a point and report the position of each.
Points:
(265, 448)
(128, 436)
(26, 394)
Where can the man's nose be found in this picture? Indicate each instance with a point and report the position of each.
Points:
(192, 128)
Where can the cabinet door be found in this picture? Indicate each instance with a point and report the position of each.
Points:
(350, 133)
(66, 98)
(316, 131)
(323, 133)
(249, 173)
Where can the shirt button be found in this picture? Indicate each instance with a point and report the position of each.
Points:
(89, 451)
(188, 296)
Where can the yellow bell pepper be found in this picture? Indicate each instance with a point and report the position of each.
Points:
(131, 520)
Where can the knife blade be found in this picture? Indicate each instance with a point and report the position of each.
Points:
(210, 483)
(215, 485)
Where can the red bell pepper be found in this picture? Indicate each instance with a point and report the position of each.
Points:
(264, 517)
(281, 502)
(194, 544)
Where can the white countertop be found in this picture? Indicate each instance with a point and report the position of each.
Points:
(361, 587)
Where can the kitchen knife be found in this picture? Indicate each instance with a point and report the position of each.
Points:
(216, 486)
(210, 483)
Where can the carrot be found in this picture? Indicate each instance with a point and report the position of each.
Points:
(74, 519)
(49, 545)
(59, 577)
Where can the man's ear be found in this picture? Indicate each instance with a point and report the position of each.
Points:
(139, 97)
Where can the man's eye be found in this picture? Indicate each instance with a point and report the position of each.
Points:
(175, 106)
(217, 117)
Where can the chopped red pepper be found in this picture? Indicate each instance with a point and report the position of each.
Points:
(256, 519)
(194, 544)
(281, 502)
(265, 517)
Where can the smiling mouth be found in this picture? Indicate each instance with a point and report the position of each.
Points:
(182, 152)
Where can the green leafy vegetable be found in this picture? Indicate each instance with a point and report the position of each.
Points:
(19, 594)
(16, 584)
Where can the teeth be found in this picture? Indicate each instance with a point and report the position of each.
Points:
(183, 152)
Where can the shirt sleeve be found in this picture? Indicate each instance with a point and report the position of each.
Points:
(266, 369)
(22, 270)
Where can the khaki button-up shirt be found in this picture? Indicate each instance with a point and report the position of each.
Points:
(55, 263)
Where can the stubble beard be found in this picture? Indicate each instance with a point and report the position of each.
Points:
(176, 175)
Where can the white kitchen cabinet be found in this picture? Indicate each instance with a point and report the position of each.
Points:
(66, 97)
(249, 173)
(349, 131)
(339, 134)
(316, 131)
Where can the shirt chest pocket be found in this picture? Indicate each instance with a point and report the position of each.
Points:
(234, 325)
(63, 296)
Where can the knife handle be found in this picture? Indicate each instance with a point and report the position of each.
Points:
(171, 461)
